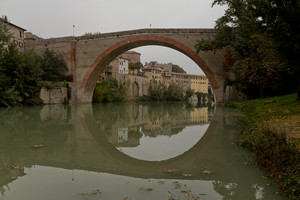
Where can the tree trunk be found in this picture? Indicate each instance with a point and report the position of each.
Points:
(298, 90)
(261, 91)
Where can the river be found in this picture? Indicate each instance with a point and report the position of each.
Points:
(167, 151)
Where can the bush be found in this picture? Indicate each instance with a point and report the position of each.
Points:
(53, 66)
(109, 90)
(157, 91)
(175, 92)
(277, 154)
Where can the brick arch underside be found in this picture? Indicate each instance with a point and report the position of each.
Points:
(94, 71)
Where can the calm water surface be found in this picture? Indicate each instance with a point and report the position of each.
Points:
(126, 151)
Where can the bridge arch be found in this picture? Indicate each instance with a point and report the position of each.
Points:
(89, 80)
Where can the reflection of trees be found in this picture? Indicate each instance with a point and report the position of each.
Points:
(227, 190)
(231, 191)
(23, 127)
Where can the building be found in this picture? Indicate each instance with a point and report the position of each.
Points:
(132, 56)
(29, 37)
(165, 67)
(16, 32)
(181, 79)
(153, 74)
(117, 69)
(199, 83)
(153, 71)
(122, 69)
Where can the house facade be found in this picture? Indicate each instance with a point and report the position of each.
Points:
(17, 34)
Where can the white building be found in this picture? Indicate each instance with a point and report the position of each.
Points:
(123, 65)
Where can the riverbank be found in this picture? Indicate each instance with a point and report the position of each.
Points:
(272, 133)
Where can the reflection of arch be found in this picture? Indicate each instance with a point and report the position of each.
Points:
(135, 90)
(90, 77)
(209, 152)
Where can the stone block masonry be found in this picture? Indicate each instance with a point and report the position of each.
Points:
(54, 96)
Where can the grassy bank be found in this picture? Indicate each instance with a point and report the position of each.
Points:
(272, 133)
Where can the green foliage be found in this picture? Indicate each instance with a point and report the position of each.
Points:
(20, 72)
(18, 83)
(5, 36)
(177, 69)
(134, 66)
(91, 34)
(143, 99)
(273, 150)
(53, 66)
(261, 72)
(157, 91)
(110, 91)
(175, 92)
(264, 39)
(188, 93)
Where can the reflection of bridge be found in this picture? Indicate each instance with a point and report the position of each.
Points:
(87, 56)
(80, 146)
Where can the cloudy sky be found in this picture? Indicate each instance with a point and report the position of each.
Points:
(55, 18)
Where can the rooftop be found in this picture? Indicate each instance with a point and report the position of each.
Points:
(11, 24)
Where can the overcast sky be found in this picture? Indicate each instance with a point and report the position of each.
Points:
(55, 18)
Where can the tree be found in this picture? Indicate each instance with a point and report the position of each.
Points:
(110, 90)
(188, 93)
(53, 66)
(261, 69)
(275, 20)
(175, 92)
(136, 65)
(177, 69)
(18, 83)
(157, 90)
(18, 77)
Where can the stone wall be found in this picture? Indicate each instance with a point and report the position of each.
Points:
(54, 96)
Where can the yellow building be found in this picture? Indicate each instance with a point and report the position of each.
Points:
(153, 74)
(199, 115)
(199, 83)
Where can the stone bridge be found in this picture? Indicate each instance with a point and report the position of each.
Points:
(87, 56)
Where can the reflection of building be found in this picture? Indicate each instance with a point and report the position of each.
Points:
(137, 120)
(153, 128)
(199, 115)
(122, 135)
